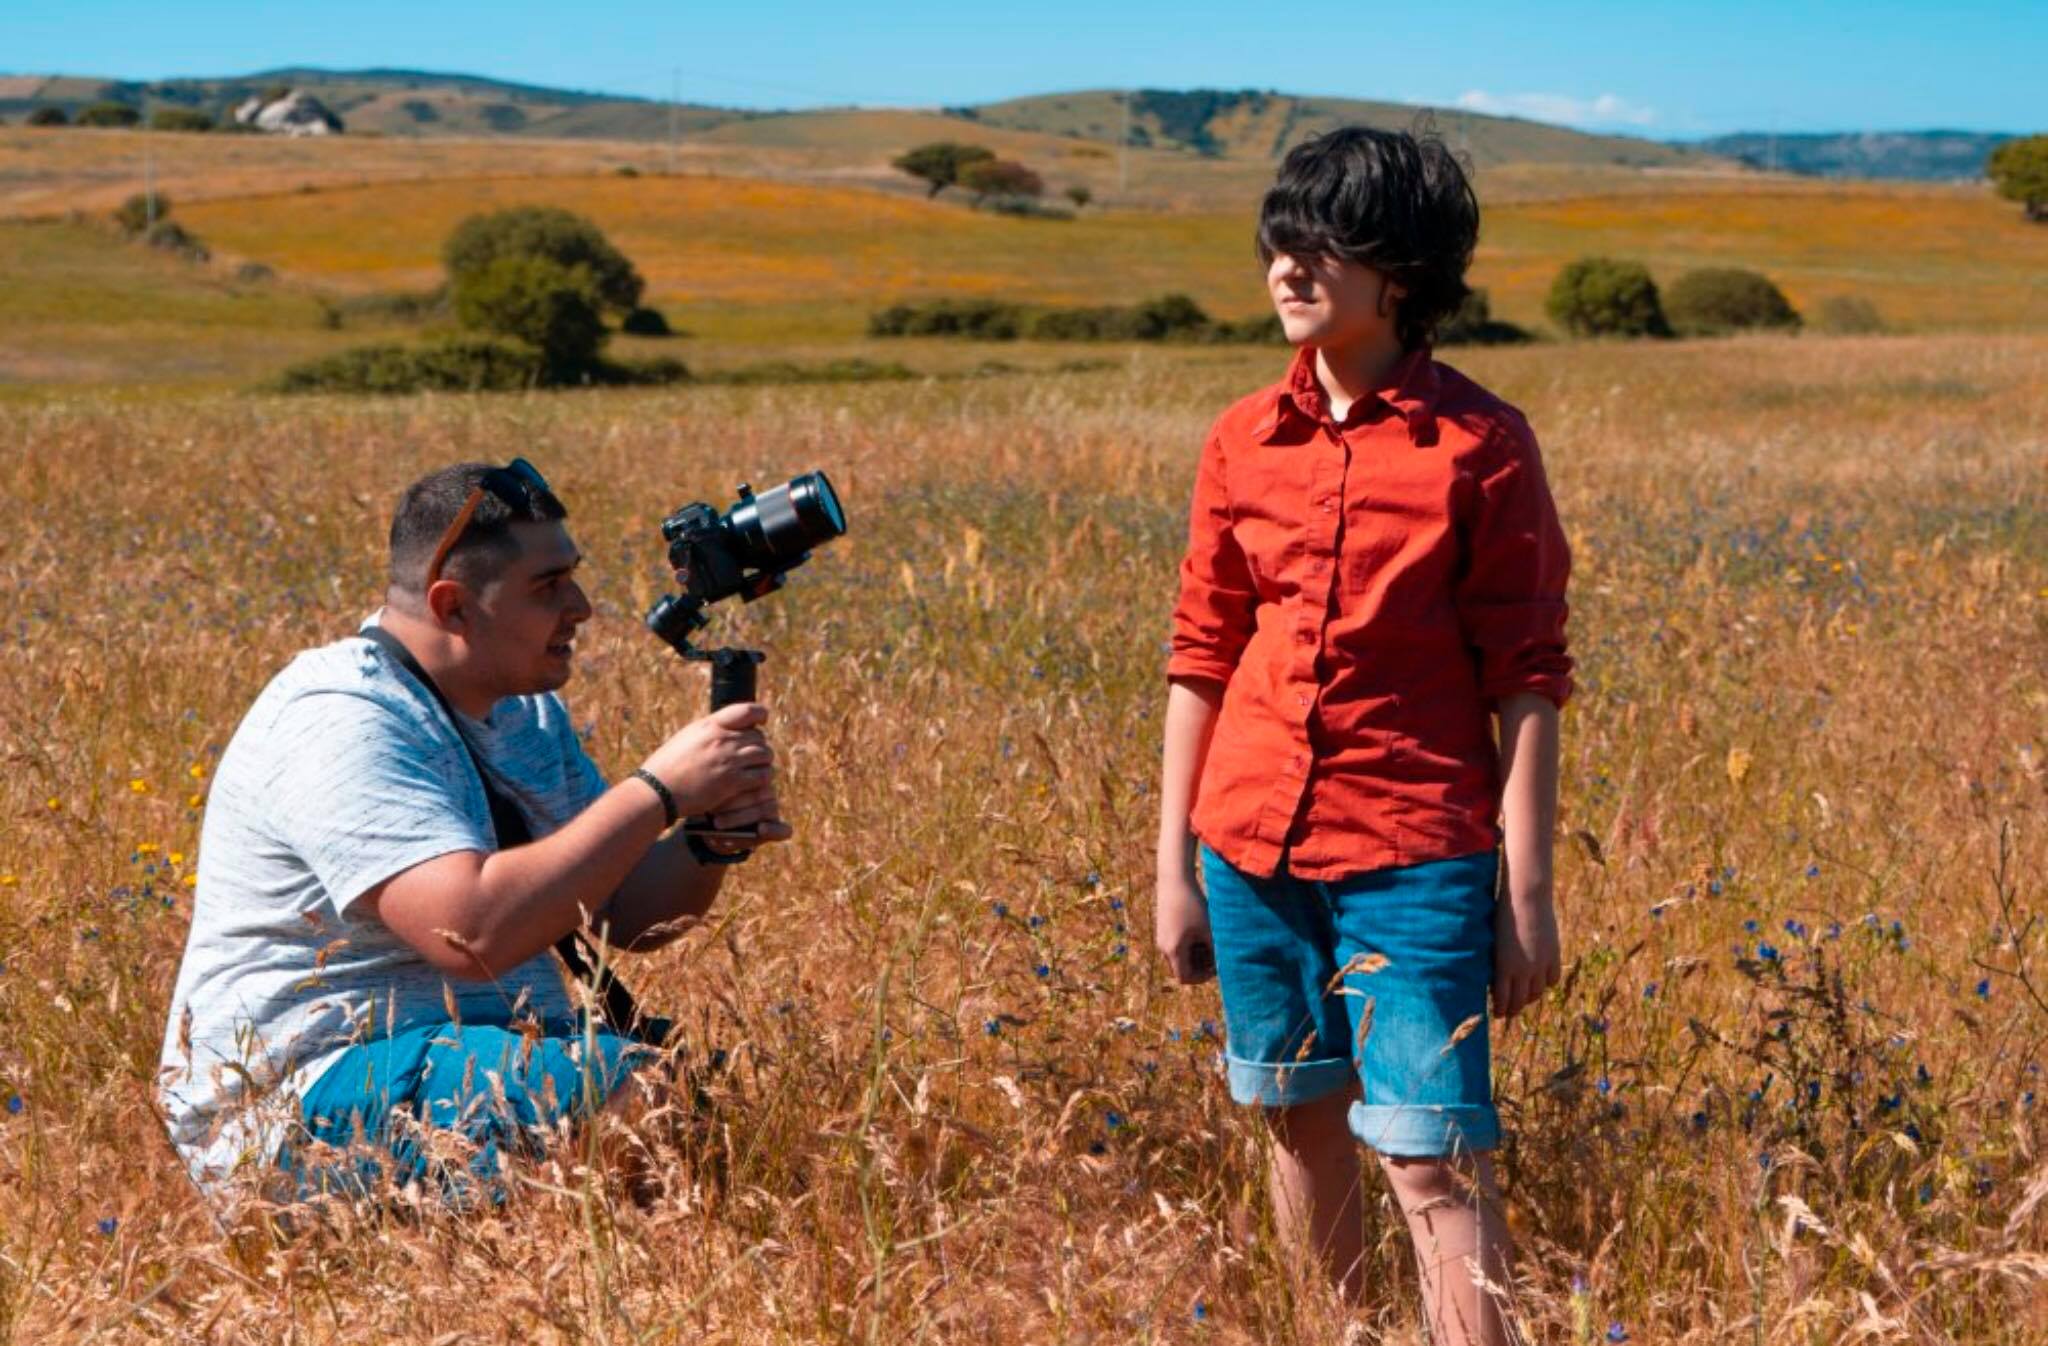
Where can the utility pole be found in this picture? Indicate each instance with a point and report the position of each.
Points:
(1123, 147)
(675, 97)
(148, 186)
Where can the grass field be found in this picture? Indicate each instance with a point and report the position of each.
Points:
(754, 266)
(1788, 1092)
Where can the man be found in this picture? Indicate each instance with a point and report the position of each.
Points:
(370, 958)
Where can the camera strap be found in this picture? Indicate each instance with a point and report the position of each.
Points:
(621, 1011)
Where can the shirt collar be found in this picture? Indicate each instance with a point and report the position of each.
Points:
(1411, 393)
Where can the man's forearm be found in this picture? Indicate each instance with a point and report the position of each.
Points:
(1529, 768)
(534, 894)
(665, 891)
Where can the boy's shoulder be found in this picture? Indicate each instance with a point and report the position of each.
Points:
(1479, 412)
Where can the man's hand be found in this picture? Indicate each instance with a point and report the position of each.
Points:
(751, 807)
(1525, 950)
(1181, 925)
(713, 762)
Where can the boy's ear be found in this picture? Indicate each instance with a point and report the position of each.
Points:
(1391, 295)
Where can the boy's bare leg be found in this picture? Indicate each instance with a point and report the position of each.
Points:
(1314, 1183)
(1453, 1211)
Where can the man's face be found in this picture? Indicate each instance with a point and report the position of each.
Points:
(522, 624)
(1331, 302)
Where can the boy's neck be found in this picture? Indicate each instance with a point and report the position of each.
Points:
(1348, 373)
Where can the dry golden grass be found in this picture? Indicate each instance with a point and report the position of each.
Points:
(1810, 605)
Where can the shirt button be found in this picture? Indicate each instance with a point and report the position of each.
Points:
(1302, 697)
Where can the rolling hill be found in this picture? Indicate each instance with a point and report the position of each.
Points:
(1926, 156)
(1206, 123)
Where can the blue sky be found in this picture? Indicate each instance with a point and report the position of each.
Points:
(1645, 68)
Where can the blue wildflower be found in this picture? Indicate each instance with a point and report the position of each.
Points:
(1749, 927)
(1920, 1073)
(1116, 904)
(1700, 1120)
(1616, 1332)
(1001, 909)
(1201, 1311)
(1650, 991)
(108, 1226)
(1912, 1130)
(1043, 970)
(15, 1103)
(1036, 921)
(1094, 879)
(1813, 871)
(1604, 1086)
(1119, 951)
(992, 1027)
(1112, 1120)
(1767, 952)
(1984, 989)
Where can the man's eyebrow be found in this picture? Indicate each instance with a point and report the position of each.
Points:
(560, 570)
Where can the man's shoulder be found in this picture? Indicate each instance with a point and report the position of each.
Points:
(349, 684)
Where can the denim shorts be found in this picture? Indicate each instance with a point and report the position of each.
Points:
(1367, 978)
(380, 1099)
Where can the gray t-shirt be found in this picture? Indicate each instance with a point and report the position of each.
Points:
(344, 773)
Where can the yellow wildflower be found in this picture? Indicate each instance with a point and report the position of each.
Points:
(139, 785)
(177, 857)
(197, 771)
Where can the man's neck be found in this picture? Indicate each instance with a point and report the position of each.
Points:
(1348, 373)
(436, 652)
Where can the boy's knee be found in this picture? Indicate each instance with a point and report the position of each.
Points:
(1318, 1126)
(1418, 1179)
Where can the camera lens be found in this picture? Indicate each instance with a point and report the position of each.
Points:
(775, 527)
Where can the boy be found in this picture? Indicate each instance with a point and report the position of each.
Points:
(1374, 568)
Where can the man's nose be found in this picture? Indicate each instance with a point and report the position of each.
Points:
(579, 603)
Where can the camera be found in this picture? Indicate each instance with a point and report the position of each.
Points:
(748, 551)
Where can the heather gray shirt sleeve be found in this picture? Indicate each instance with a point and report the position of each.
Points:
(361, 796)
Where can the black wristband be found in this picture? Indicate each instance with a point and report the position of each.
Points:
(668, 801)
(706, 856)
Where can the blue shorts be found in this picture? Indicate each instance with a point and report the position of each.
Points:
(478, 1081)
(1366, 978)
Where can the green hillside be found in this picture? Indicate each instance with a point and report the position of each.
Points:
(1250, 124)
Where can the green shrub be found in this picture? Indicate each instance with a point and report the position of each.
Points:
(48, 116)
(979, 319)
(1599, 296)
(254, 273)
(1000, 177)
(180, 119)
(1023, 207)
(536, 300)
(646, 322)
(109, 114)
(853, 370)
(1716, 300)
(1265, 331)
(1473, 324)
(545, 232)
(1847, 315)
(136, 213)
(172, 237)
(453, 366)
(1080, 195)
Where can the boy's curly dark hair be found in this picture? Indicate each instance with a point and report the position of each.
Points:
(1396, 201)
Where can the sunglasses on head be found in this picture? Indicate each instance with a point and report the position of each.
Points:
(518, 484)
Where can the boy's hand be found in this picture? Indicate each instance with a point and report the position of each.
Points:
(1525, 952)
(1181, 926)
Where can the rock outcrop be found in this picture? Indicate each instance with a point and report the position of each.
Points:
(298, 113)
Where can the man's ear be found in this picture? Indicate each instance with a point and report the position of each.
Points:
(448, 605)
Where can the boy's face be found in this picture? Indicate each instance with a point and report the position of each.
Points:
(1332, 302)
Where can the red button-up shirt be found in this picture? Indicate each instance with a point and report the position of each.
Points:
(1365, 592)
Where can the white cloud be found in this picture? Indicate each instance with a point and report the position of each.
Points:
(1606, 110)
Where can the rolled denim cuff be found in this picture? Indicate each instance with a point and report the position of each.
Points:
(1286, 1084)
(1423, 1131)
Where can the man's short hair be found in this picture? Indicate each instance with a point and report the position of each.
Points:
(1396, 201)
(486, 546)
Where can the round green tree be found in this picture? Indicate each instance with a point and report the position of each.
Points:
(1716, 300)
(2020, 169)
(555, 309)
(545, 232)
(48, 115)
(1600, 296)
(1001, 177)
(940, 163)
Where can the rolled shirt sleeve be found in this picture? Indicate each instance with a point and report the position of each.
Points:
(1511, 597)
(1212, 621)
